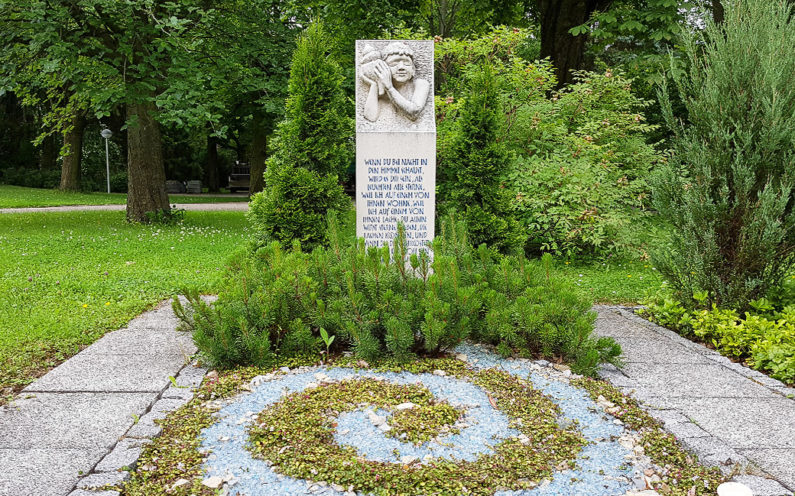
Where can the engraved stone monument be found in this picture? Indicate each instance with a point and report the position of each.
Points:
(395, 141)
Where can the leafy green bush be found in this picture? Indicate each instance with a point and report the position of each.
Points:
(381, 304)
(766, 342)
(475, 166)
(581, 185)
(311, 149)
(728, 193)
(579, 158)
(31, 178)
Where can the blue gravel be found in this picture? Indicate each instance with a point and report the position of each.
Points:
(599, 463)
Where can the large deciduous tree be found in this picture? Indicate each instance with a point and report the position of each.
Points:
(557, 19)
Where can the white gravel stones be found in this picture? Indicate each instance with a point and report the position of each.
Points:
(440, 373)
(405, 406)
(213, 482)
(179, 483)
(734, 489)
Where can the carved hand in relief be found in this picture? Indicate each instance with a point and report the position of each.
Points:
(384, 74)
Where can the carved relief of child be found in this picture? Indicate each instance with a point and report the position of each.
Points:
(393, 86)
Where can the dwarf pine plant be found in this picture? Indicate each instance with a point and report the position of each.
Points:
(383, 302)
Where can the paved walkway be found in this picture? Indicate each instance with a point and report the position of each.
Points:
(70, 421)
(728, 414)
(75, 208)
(73, 429)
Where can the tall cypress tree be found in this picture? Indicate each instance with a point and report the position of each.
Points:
(475, 167)
(312, 148)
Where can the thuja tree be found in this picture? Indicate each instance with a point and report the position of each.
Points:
(312, 148)
(728, 193)
(474, 167)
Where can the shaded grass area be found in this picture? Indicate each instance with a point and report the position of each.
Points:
(19, 197)
(612, 281)
(69, 277)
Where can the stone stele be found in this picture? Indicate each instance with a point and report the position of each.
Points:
(395, 141)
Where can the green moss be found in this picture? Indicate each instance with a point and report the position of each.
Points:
(685, 476)
(297, 436)
(421, 424)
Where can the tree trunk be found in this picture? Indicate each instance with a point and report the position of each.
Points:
(73, 143)
(566, 51)
(211, 168)
(717, 11)
(146, 175)
(48, 157)
(257, 160)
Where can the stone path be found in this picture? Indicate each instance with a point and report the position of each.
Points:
(72, 430)
(728, 414)
(93, 413)
(237, 206)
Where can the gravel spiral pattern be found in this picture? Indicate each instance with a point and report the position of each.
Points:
(601, 470)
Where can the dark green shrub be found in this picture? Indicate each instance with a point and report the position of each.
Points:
(311, 150)
(475, 165)
(728, 193)
(32, 178)
(294, 205)
(377, 304)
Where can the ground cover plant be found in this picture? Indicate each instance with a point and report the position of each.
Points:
(67, 278)
(378, 303)
(763, 338)
(289, 425)
(19, 197)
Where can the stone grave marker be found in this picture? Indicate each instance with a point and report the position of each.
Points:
(395, 142)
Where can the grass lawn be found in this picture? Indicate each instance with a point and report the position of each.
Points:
(19, 197)
(622, 281)
(69, 277)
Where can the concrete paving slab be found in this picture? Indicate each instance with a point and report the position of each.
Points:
(683, 430)
(657, 351)
(751, 423)
(712, 451)
(612, 324)
(158, 319)
(779, 463)
(111, 373)
(762, 487)
(98, 481)
(142, 342)
(83, 492)
(180, 393)
(191, 376)
(146, 427)
(124, 455)
(70, 420)
(43, 471)
(696, 380)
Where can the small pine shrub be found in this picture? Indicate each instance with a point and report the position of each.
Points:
(383, 303)
(474, 169)
(312, 150)
(728, 193)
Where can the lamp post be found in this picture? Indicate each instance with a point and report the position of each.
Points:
(106, 133)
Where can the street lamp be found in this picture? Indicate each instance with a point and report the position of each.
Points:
(106, 133)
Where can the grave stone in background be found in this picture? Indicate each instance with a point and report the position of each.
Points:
(395, 141)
